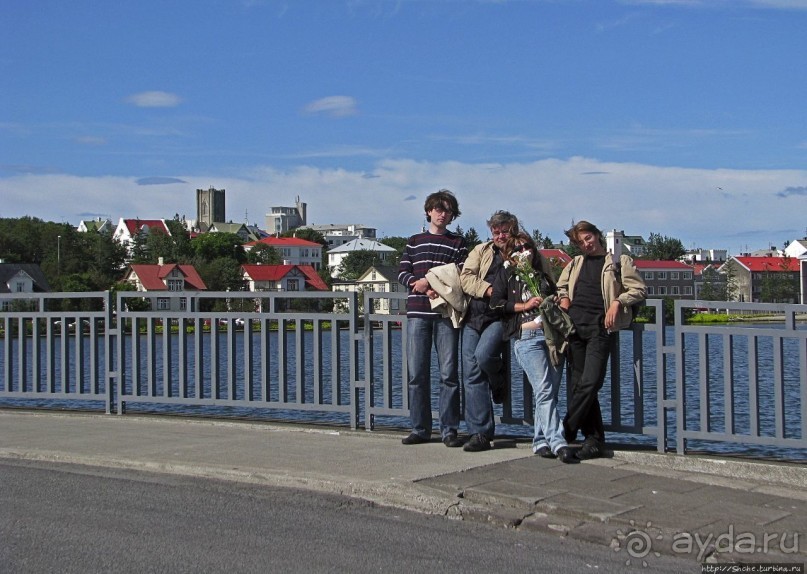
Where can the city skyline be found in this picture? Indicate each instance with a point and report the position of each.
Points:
(678, 117)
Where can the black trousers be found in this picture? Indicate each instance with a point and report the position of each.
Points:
(589, 349)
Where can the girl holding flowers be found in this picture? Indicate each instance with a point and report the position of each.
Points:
(519, 289)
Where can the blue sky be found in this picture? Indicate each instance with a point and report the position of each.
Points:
(680, 117)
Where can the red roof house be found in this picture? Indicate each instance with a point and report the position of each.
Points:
(282, 278)
(160, 280)
(750, 274)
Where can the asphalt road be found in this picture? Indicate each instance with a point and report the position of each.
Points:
(68, 518)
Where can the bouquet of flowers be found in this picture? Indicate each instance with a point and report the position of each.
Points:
(526, 273)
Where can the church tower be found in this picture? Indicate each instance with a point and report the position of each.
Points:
(209, 207)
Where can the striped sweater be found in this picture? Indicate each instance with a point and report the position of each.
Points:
(422, 252)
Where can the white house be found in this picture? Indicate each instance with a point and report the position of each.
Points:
(21, 278)
(98, 225)
(705, 256)
(619, 243)
(380, 279)
(128, 229)
(293, 250)
(337, 234)
(797, 248)
(337, 254)
(165, 278)
(282, 278)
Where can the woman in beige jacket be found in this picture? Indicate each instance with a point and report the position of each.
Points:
(597, 290)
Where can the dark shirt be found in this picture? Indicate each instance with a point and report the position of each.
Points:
(588, 305)
(509, 290)
(480, 315)
(422, 252)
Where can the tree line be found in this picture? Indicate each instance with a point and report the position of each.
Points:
(74, 261)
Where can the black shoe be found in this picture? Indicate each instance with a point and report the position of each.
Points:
(566, 455)
(451, 440)
(478, 443)
(414, 439)
(589, 450)
(545, 452)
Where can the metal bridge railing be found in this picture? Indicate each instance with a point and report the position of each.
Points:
(340, 358)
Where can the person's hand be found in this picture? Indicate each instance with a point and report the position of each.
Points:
(565, 303)
(421, 286)
(612, 314)
(533, 303)
(431, 293)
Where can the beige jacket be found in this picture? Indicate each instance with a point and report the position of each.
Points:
(630, 291)
(475, 268)
(452, 303)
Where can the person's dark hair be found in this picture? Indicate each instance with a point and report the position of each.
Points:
(503, 218)
(443, 199)
(584, 227)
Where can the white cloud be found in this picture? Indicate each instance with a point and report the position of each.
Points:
(335, 106)
(154, 100)
(709, 208)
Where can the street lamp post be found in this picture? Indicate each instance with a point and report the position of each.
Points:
(58, 255)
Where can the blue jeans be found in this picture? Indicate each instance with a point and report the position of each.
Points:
(533, 356)
(481, 364)
(422, 334)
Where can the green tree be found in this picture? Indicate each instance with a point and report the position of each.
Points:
(571, 249)
(133, 304)
(61, 251)
(158, 245)
(139, 249)
(174, 248)
(263, 254)
(732, 284)
(541, 241)
(221, 273)
(663, 248)
(398, 244)
(714, 285)
(210, 246)
(780, 285)
(472, 238)
(356, 263)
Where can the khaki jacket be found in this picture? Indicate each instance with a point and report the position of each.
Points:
(475, 268)
(452, 302)
(630, 291)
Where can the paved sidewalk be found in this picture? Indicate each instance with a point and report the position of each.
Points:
(641, 504)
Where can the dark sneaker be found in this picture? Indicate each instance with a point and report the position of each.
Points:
(478, 443)
(414, 439)
(451, 440)
(589, 450)
(566, 455)
(545, 452)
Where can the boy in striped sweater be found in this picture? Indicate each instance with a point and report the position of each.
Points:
(436, 246)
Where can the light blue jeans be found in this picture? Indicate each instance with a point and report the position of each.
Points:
(422, 334)
(533, 356)
(481, 364)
